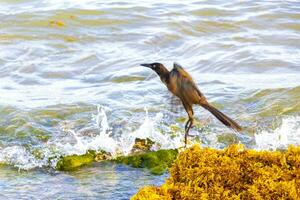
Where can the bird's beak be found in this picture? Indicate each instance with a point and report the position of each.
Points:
(147, 65)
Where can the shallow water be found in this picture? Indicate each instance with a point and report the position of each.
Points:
(70, 81)
(99, 181)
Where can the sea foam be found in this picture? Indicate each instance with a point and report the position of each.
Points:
(288, 133)
(49, 153)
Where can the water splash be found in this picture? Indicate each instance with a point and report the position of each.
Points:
(50, 152)
(288, 133)
(19, 157)
(148, 130)
(102, 141)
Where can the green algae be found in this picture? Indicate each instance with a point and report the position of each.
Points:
(157, 161)
(72, 162)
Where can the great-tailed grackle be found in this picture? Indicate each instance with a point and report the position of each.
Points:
(181, 84)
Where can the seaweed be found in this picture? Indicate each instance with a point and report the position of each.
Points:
(231, 173)
(73, 162)
(157, 161)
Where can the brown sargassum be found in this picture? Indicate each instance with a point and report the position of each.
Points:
(231, 173)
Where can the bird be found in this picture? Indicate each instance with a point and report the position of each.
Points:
(180, 83)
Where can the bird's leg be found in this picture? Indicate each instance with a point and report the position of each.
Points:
(191, 118)
(189, 123)
(186, 132)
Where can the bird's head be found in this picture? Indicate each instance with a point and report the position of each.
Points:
(159, 68)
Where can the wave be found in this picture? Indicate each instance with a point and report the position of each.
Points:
(47, 155)
(288, 133)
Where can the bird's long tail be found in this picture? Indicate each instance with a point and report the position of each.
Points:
(222, 117)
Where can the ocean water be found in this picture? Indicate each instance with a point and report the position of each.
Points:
(70, 81)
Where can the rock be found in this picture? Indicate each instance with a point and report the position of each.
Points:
(72, 162)
(142, 145)
(102, 156)
(157, 161)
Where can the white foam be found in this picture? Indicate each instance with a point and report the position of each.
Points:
(124, 144)
(287, 134)
(148, 130)
(19, 157)
(102, 141)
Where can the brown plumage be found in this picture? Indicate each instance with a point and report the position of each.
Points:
(181, 84)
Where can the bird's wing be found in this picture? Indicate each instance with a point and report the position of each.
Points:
(185, 82)
(181, 71)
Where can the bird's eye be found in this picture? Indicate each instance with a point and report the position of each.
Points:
(154, 65)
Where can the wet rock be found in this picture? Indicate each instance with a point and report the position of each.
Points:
(102, 156)
(72, 162)
(157, 161)
(142, 145)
